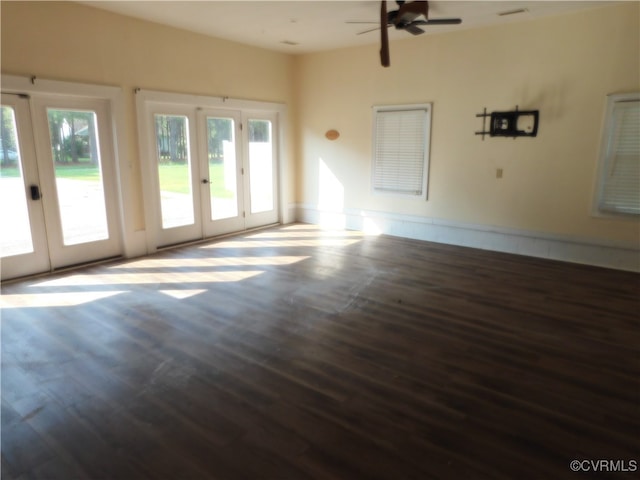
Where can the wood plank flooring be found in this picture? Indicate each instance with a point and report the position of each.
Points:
(301, 353)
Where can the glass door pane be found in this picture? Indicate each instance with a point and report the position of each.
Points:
(174, 170)
(15, 227)
(222, 163)
(261, 166)
(75, 151)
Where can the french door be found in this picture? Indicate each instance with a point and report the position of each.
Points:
(23, 243)
(214, 171)
(58, 190)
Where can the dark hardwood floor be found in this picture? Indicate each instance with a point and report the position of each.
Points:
(297, 353)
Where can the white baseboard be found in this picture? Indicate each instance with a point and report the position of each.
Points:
(522, 242)
(135, 244)
(289, 214)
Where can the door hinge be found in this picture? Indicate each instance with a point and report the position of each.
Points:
(241, 171)
(244, 214)
(240, 124)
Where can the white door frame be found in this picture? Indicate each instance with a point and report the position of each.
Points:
(226, 225)
(37, 260)
(149, 100)
(271, 216)
(62, 255)
(151, 184)
(133, 235)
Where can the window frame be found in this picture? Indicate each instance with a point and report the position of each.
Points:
(427, 108)
(606, 143)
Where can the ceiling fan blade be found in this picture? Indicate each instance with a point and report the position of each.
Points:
(442, 21)
(412, 29)
(384, 35)
(369, 30)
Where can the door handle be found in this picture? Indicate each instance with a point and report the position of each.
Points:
(205, 181)
(35, 192)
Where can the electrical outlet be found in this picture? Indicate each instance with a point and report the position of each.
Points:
(498, 173)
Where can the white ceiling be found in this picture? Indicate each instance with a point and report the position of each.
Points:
(320, 25)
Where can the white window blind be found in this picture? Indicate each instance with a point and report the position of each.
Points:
(401, 150)
(620, 173)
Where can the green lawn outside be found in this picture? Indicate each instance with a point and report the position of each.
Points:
(89, 173)
(80, 172)
(173, 178)
(216, 177)
(9, 172)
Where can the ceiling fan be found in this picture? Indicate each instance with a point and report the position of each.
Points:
(407, 17)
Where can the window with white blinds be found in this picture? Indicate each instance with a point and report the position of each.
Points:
(401, 149)
(619, 179)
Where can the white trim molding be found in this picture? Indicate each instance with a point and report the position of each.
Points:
(610, 162)
(567, 248)
(132, 240)
(188, 105)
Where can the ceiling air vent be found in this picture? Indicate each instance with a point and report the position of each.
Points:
(289, 42)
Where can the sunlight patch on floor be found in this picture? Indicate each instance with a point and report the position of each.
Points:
(149, 278)
(64, 299)
(303, 242)
(182, 294)
(209, 262)
(320, 235)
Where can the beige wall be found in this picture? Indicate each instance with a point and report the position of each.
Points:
(72, 42)
(562, 66)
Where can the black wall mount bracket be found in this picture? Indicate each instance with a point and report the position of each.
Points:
(515, 123)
